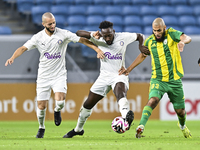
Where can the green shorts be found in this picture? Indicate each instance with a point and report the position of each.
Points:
(174, 90)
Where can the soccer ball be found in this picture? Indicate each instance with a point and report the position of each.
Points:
(119, 125)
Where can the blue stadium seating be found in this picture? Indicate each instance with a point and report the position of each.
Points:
(64, 2)
(72, 28)
(183, 10)
(175, 27)
(147, 20)
(118, 28)
(121, 2)
(187, 21)
(47, 3)
(148, 30)
(77, 10)
(140, 2)
(92, 10)
(148, 10)
(178, 2)
(83, 2)
(94, 20)
(191, 30)
(88, 52)
(25, 6)
(159, 2)
(102, 2)
(198, 20)
(194, 2)
(78, 21)
(91, 28)
(60, 10)
(166, 10)
(116, 20)
(60, 21)
(113, 10)
(130, 10)
(170, 20)
(135, 29)
(132, 20)
(197, 10)
(37, 12)
(5, 30)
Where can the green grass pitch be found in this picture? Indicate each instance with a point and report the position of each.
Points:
(159, 135)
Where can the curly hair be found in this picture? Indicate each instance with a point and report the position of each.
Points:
(105, 24)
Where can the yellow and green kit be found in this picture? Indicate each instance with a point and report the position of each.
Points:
(167, 69)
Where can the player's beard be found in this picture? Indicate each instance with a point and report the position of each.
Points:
(49, 30)
(162, 37)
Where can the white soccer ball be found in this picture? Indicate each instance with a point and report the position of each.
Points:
(119, 125)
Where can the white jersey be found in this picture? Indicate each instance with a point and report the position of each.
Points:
(115, 53)
(52, 51)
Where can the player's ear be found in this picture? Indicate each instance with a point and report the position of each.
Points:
(113, 31)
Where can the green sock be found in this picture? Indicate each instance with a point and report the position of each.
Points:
(182, 120)
(146, 113)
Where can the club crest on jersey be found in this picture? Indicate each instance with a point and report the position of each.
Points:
(110, 56)
(60, 42)
(165, 41)
(121, 43)
(52, 56)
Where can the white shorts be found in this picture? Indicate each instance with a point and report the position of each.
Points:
(103, 84)
(44, 87)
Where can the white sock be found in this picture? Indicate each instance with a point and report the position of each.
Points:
(83, 115)
(123, 106)
(41, 117)
(59, 105)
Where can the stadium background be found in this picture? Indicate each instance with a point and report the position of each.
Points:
(17, 82)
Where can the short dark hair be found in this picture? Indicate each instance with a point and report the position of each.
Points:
(106, 24)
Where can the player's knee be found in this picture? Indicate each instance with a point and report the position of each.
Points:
(180, 112)
(153, 102)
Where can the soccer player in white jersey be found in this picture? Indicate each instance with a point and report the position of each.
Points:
(51, 43)
(114, 47)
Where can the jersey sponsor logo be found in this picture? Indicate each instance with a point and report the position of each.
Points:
(52, 56)
(153, 45)
(165, 41)
(110, 56)
(121, 43)
(60, 42)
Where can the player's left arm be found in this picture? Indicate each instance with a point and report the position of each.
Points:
(142, 48)
(184, 39)
(100, 53)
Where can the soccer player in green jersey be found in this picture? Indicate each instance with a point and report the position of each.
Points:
(165, 47)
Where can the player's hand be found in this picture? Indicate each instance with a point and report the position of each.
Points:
(9, 61)
(144, 49)
(100, 54)
(180, 46)
(124, 71)
(97, 35)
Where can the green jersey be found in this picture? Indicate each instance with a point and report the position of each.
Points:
(165, 56)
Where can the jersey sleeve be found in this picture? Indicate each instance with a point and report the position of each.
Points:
(175, 34)
(31, 44)
(72, 37)
(131, 37)
(92, 39)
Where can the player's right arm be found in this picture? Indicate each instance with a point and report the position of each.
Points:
(140, 58)
(87, 34)
(83, 33)
(16, 54)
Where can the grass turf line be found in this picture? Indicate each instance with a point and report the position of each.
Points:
(159, 135)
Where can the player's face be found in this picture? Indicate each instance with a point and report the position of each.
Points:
(50, 24)
(108, 35)
(159, 33)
